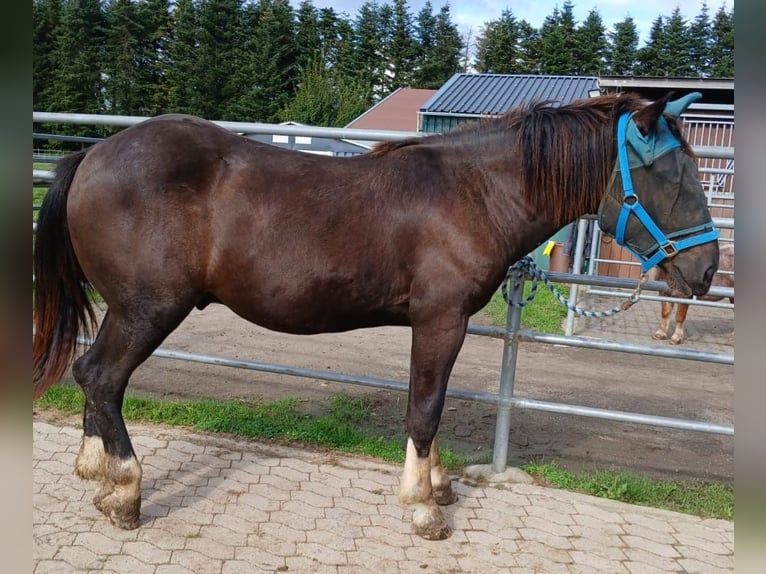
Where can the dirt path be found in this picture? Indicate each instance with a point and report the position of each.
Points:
(666, 387)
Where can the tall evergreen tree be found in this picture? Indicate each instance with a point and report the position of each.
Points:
(314, 101)
(269, 64)
(218, 72)
(79, 60)
(529, 49)
(122, 86)
(678, 46)
(156, 17)
(181, 86)
(497, 46)
(591, 45)
(722, 44)
(46, 22)
(425, 32)
(341, 51)
(136, 56)
(309, 48)
(700, 43)
(555, 57)
(623, 48)
(400, 49)
(449, 44)
(368, 50)
(653, 59)
(440, 45)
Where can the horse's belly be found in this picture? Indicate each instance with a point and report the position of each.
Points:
(311, 313)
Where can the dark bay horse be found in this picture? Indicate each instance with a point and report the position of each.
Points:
(176, 213)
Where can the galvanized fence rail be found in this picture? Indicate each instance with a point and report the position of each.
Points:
(511, 334)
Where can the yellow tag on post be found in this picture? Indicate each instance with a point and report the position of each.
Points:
(549, 248)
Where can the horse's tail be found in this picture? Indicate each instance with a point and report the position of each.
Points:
(62, 309)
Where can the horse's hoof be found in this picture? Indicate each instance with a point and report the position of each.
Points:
(121, 511)
(674, 341)
(660, 336)
(429, 523)
(445, 497)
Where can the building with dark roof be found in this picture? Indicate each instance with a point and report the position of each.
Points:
(469, 96)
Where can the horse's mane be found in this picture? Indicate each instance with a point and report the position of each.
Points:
(566, 152)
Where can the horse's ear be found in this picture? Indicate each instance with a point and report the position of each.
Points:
(677, 107)
(646, 119)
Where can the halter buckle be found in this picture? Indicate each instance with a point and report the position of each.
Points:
(669, 249)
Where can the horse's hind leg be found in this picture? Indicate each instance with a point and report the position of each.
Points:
(106, 453)
(425, 484)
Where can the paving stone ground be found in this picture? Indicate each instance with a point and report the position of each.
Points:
(215, 505)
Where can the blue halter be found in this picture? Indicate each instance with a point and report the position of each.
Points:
(644, 152)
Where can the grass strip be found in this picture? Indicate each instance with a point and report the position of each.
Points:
(698, 498)
(338, 429)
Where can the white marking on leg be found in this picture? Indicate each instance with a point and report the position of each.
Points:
(439, 478)
(416, 478)
(91, 460)
(427, 518)
(123, 504)
(441, 483)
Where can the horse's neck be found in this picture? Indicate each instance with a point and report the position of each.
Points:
(517, 226)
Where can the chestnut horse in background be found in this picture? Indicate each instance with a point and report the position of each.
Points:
(726, 263)
(176, 213)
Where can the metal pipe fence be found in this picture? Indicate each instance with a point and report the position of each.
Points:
(512, 334)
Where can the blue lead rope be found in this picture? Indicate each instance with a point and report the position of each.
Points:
(527, 266)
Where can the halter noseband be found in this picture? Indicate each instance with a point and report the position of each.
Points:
(666, 246)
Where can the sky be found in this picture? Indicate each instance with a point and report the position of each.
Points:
(473, 14)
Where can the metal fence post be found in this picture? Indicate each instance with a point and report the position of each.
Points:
(508, 373)
(582, 229)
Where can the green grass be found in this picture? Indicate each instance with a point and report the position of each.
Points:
(338, 429)
(690, 497)
(543, 314)
(281, 420)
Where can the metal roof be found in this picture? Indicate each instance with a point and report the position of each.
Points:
(495, 94)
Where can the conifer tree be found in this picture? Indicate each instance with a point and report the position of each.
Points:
(440, 46)
(722, 44)
(700, 43)
(46, 26)
(497, 46)
(623, 48)
(79, 59)
(268, 67)
(308, 45)
(182, 91)
(591, 45)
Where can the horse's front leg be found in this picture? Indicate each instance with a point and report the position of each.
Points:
(425, 484)
(678, 333)
(666, 309)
